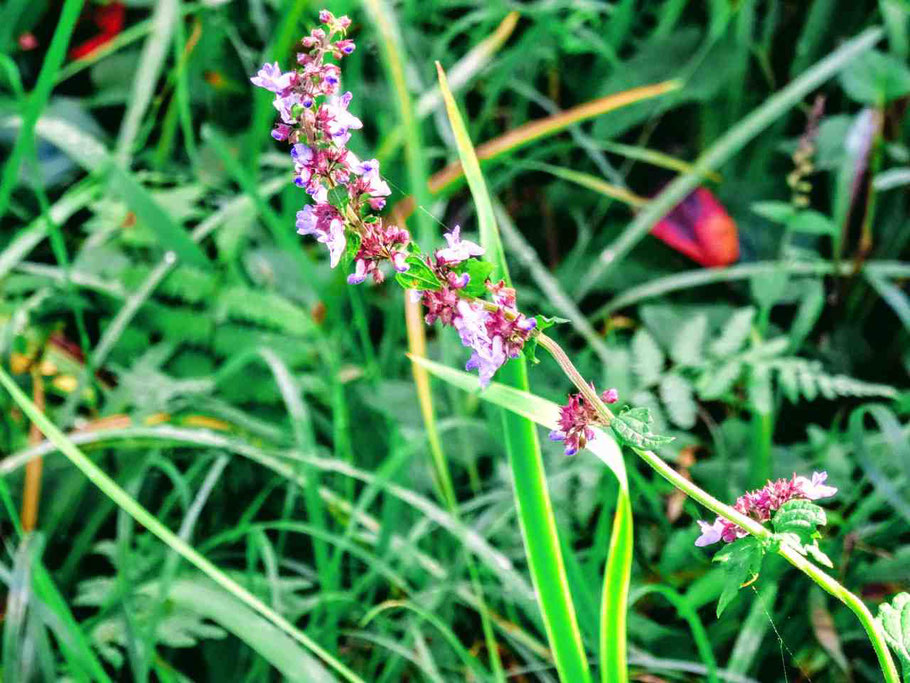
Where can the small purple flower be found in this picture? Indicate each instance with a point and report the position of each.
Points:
(340, 120)
(710, 533)
(399, 262)
(374, 185)
(272, 79)
(285, 106)
(322, 222)
(487, 360)
(458, 281)
(281, 131)
(359, 274)
(458, 250)
(610, 396)
(576, 419)
(815, 488)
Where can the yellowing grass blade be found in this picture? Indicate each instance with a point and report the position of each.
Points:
(534, 130)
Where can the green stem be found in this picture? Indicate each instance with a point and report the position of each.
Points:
(754, 528)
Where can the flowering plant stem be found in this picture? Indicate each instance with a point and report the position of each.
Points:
(827, 582)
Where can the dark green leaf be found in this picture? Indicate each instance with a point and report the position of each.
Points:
(742, 563)
(479, 271)
(338, 197)
(420, 276)
(632, 427)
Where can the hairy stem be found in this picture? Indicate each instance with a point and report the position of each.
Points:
(754, 528)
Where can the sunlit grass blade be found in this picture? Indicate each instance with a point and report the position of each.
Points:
(722, 150)
(551, 125)
(535, 510)
(129, 505)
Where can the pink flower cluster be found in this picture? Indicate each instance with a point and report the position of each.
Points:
(576, 418)
(761, 503)
(316, 121)
(494, 333)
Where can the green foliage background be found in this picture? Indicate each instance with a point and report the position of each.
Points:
(208, 360)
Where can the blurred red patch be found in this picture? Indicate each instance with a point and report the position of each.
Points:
(27, 41)
(700, 228)
(109, 20)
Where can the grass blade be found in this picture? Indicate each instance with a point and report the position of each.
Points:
(728, 145)
(535, 510)
(129, 505)
(38, 97)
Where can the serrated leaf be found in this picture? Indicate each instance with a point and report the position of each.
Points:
(800, 517)
(676, 394)
(789, 382)
(647, 358)
(894, 618)
(742, 563)
(419, 276)
(689, 343)
(632, 427)
(717, 381)
(734, 334)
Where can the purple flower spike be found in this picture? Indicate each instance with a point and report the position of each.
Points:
(458, 250)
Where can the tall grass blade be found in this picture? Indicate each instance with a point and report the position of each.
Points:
(535, 510)
(37, 99)
(129, 505)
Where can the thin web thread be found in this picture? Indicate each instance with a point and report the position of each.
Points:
(780, 641)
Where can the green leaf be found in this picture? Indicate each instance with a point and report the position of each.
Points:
(875, 78)
(338, 197)
(796, 524)
(647, 358)
(734, 333)
(742, 563)
(811, 223)
(419, 276)
(760, 394)
(632, 426)
(894, 619)
(351, 247)
(717, 381)
(151, 213)
(690, 341)
(543, 322)
(479, 272)
(776, 212)
(676, 393)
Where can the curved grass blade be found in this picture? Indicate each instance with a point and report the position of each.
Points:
(728, 145)
(535, 510)
(129, 505)
(590, 182)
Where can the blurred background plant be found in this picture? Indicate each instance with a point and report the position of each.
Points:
(156, 304)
